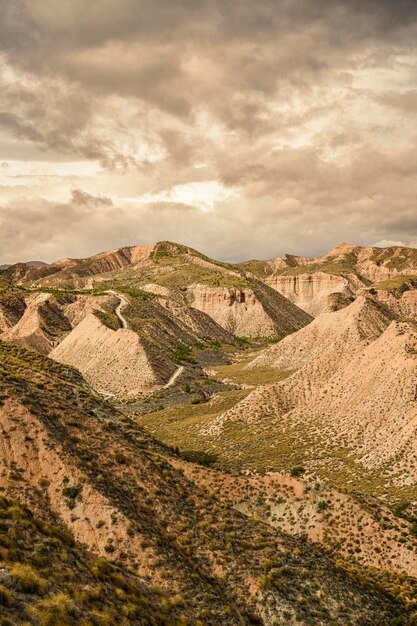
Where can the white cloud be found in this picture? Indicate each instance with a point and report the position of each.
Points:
(202, 195)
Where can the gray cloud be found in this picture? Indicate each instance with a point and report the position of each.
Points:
(303, 111)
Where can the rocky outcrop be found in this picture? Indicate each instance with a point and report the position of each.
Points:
(256, 312)
(402, 303)
(235, 310)
(310, 292)
(315, 284)
(41, 327)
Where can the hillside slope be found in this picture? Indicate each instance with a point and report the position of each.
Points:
(242, 305)
(71, 458)
(350, 409)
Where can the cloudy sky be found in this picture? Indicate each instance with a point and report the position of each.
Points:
(245, 128)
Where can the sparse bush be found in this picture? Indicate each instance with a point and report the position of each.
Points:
(57, 610)
(71, 494)
(27, 579)
(182, 353)
(297, 471)
(6, 598)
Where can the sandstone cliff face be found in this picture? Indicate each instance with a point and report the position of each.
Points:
(247, 312)
(238, 311)
(310, 292)
(343, 270)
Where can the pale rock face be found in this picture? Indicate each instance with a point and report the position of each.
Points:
(158, 290)
(28, 332)
(238, 311)
(404, 305)
(138, 253)
(308, 291)
(342, 248)
(409, 303)
(377, 273)
(113, 362)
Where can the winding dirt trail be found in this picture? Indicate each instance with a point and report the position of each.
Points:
(122, 304)
(174, 377)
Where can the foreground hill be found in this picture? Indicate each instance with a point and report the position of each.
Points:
(178, 554)
(312, 435)
(335, 403)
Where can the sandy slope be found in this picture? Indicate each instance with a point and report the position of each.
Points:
(112, 361)
(347, 525)
(353, 397)
(330, 333)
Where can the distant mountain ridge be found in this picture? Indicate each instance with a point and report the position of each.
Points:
(331, 280)
(29, 263)
(315, 285)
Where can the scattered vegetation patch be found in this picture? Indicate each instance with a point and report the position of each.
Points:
(182, 353)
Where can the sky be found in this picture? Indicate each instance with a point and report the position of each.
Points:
(244, 128)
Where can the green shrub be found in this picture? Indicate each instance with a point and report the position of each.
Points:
(100, 568)
(71, 492)
(297, 471)
(399, 508)
(182, 353)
